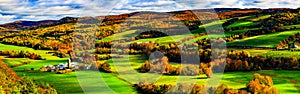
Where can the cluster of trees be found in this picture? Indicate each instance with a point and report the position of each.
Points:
(289, 42)
(161, 65)
(10, 83)
(242, 61)
(21, 54)
(106, 57)
(258, 85)
(106, 44)
(261, 85)
(102, 67)
(150, 34)
(51, 38)
(246, 62)
(103, 50)
(107, 30)
(230, 13)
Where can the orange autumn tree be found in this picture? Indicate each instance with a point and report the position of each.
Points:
(11, 83)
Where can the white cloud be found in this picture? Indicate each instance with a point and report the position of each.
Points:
(6, 18)
(54, 9)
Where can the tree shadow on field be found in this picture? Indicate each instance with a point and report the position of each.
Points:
(200, 78)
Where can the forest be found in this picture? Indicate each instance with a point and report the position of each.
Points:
(256, 51)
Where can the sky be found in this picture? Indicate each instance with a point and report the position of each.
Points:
(34, 10)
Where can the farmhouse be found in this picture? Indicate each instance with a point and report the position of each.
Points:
(67, 66)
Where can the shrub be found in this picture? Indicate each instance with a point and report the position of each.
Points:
(190, 70)
(145, 67)
(105, 68)
(261, 84)
(152, 89)
(1, 90)
(208, 72)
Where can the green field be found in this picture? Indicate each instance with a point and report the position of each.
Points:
(64, 83)
(210, 26)
(234, 80)
(241, 24)
(283, 54)
(266, 40)
(292, 26)
(68, 82)
(122, 35)
(43, 53)
(248, 21)
(239, 80)
(260, 17)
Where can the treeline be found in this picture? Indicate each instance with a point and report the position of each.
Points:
(12, 84)
(258, 85)
(242, 61)
(150, 34)
(21, 54)
(236, 60)
(229, 22)
(161, 65)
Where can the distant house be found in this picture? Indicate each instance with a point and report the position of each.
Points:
(79, 59)
(294, 45)
(60, 66)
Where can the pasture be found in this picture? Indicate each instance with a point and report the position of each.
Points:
(68, 83)
(266, 40)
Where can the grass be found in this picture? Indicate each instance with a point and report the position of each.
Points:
(212, 25)
(134, 61)
(43, 53)
(285, 53)
(254, 52)
(248, 21)
(292, 26)
(166, 40)
(237, 80)
(267, 40)
(37, 64)
(285, 81)
(68, 83)
(241, 24)
(260, 17)
(12, 61)
(234, 80)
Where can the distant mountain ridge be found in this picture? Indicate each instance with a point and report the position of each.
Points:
(24, 25)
